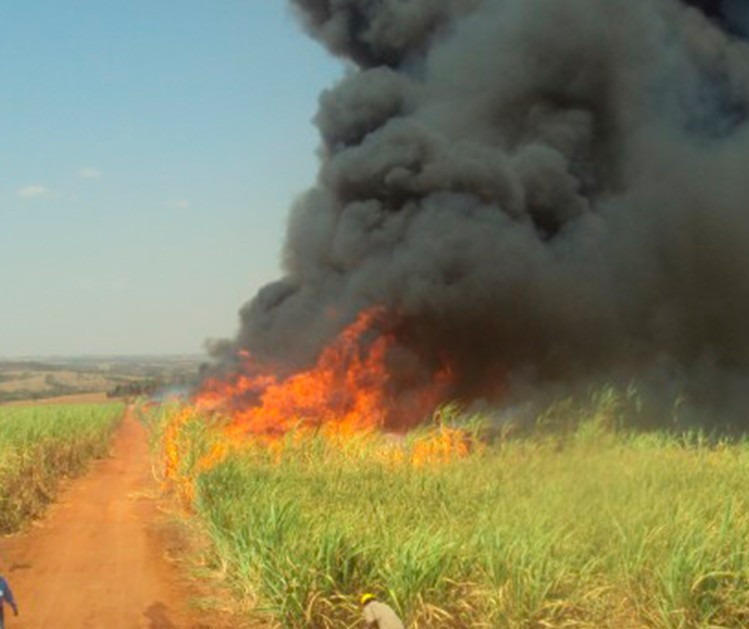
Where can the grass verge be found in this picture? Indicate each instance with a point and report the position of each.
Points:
(39, 445)
(593, 526)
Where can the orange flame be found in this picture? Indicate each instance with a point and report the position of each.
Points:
(443, 446)
(348, 390)
(346, 393)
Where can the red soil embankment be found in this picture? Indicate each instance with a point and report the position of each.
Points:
(78, 398)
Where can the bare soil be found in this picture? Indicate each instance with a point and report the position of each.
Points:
(99, 559)
(78, 398)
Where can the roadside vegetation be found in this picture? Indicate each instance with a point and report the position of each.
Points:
(577, 523)
(39, 445)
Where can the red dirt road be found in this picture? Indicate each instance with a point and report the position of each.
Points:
(98, 559)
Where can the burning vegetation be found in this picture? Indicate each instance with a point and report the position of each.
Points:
(348, 389)
(343, 403)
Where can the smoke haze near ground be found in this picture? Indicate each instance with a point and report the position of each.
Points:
(540, 193)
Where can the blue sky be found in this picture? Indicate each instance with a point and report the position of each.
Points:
(149, 153)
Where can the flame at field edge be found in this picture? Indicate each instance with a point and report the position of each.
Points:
(349, 389)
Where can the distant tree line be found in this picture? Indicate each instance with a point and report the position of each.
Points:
(136, 389)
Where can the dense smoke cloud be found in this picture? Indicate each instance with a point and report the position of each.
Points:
(732, 15)
(537, 191)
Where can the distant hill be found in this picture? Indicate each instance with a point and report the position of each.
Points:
(36, 378)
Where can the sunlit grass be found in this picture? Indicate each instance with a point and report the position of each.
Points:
(590, 526)
(41, 444)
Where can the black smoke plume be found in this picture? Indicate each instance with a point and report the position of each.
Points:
(732, 15)
(539, 192)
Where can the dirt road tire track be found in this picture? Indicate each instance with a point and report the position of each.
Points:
(97, 560)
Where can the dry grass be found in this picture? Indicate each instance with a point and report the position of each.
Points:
(41, 381)
(79, 398)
